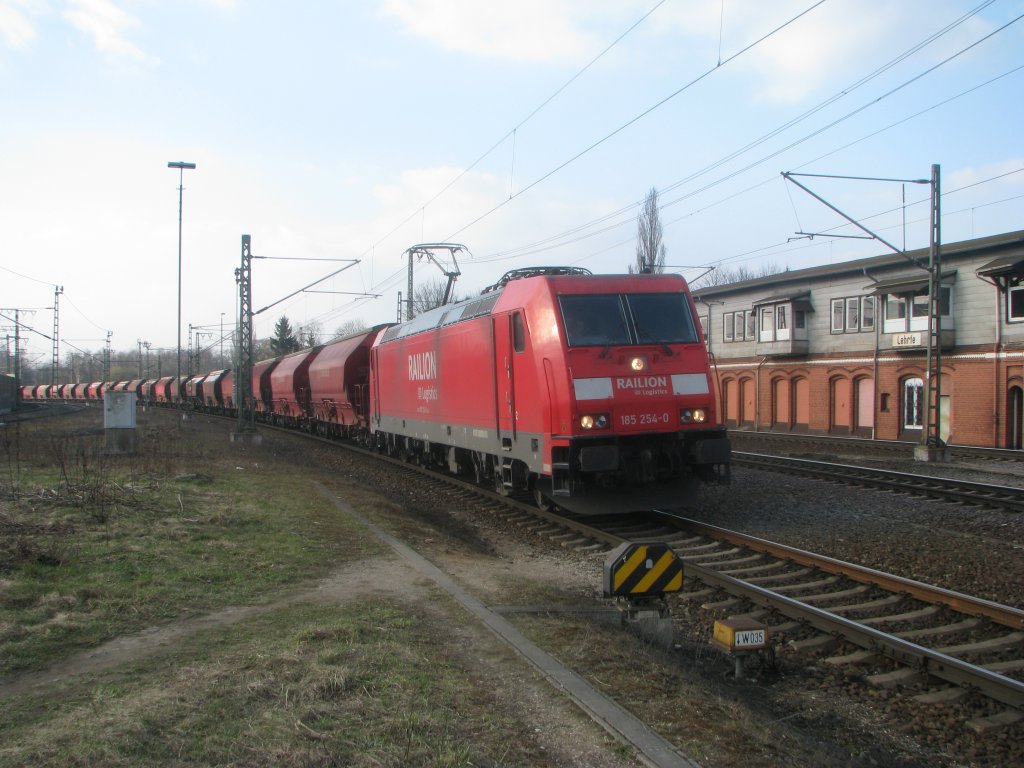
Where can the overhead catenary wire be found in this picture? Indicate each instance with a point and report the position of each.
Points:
(771, 134)
(384, 284)
(561, 240)
(420, 210)
(512, 131)
(632, 121)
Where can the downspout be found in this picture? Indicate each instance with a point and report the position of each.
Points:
(996, 354)
(874, 375)
(876, 410)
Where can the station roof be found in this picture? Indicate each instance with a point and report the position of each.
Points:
(798, 278)
(1004, 265)
(906, 284)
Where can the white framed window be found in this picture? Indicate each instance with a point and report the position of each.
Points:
(750, 332)
(867, 313)
(1015, 300)
(739, 324)
(782, 322)
(727, 326)
(766, 324)
(909, 312)
(852, 315)
(919, 312)
(838, 317)
(895, 314)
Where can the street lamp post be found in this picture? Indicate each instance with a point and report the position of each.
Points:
(182, 167)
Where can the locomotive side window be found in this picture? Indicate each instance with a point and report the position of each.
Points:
(518, 332)
(593, 320)
(665, 318)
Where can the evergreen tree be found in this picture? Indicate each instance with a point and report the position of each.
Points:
(284, 340)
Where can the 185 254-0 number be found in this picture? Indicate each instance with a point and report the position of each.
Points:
(643, 419)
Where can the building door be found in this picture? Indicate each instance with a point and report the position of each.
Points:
(802, 403)
(1015, 418)
(781, 402)
(865, 410)
(749, 401)
(841, 405)
(731, 403)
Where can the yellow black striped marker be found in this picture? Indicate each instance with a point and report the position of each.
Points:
(637, 569)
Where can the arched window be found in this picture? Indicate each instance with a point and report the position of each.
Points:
(913, 404)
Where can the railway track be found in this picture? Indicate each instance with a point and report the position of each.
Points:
(932, 644)
(762, 442)
(934, 638)
(1004, 498)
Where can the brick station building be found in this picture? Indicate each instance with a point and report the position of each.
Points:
(841, 350)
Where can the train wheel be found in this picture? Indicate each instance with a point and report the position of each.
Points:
(479, 473)
(499, 481)
(543, 502)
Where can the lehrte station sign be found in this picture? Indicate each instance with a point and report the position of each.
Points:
(906, 339)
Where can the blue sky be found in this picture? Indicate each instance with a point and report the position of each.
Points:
(352, 130)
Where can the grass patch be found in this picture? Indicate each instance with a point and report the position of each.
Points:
(95, 546)
(366, 684)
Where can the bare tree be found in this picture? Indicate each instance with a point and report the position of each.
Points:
(430, 295)
(349, 328)
(650, 250)
(309, 334)
(742, 273)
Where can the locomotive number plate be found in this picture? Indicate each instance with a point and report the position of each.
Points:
(644, 419)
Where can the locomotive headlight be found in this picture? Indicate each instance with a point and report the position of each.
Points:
(638, 363)
(587, 422)
(600, 421)
(693, 416)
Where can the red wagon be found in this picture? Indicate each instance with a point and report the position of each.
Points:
(289, 383)
(339, 384)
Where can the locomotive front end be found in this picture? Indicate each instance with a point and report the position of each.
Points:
(644, 429)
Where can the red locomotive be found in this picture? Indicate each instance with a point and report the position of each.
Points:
(592, 392)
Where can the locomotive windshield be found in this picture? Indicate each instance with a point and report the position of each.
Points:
(631, 318)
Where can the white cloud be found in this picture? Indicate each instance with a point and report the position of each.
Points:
(530, 30)
(105, 23)
(1005, 174)
(15, 26)
(833, 40)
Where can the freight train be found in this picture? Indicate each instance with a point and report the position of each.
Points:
(594, 393)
